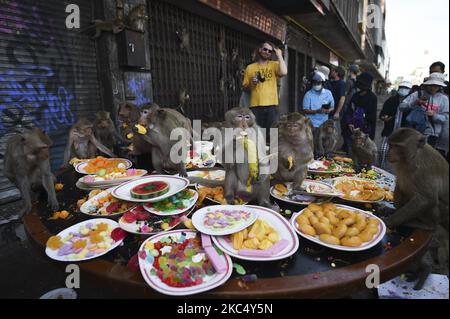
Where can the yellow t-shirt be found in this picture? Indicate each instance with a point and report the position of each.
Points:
(264, 93)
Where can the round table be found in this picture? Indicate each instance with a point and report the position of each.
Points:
(312, 272)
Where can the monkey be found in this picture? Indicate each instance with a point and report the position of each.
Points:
(185, 40)
(364, 150)
(295, 149)
(243, 179)
(222, 47)
(137, 17)
(115, 26)
(159, 123)
(234, 55)
(27, 165)
(183, 98)
(127, 116)
(105, 131)
(421, 191)
(326, 139)
(82, 142)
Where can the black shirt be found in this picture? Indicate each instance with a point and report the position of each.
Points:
(369, 102)
(390, 109)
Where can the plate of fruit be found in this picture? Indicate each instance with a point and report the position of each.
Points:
(269, 238)
(217, 175)
(222, 220)
(150, 189)
(140, 222)
(102, 165)
(339, 227)
(110, 179)
(359, 190)
(86, 240)
(176, 263)
(104, 204)
(200, 159)
(283, 192)
(324, 167)
(215, 195)
(175, 204)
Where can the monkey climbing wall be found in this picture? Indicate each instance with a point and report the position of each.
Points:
(48, 74)
(199, 55)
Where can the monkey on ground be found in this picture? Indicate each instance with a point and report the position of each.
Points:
(159, 123)
(421, 192)
(27, 165)
(246, 177)
(82, 142)
(326, 139)
(105, 130)
(295, 149)
(364, 150)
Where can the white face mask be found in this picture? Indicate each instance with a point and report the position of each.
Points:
(317, 87)
(403, 92)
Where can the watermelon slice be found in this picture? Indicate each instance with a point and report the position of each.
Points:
(149, 190)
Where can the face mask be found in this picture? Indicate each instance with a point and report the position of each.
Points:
(317, 87)
(403, 92)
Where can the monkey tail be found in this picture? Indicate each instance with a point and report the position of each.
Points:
(206, 182)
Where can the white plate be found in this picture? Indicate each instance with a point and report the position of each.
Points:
(189, 204)
(84, 187)
(334, 181)
(375, 240)
(153, 281)
(199, 163)
(276, 221)
(207, 174)
(113, 182)
(84, 208)
(80, 166)
(53, 254)
(198, 219)
(60, 293)
(133, 228)
(315, 171)
(286, 199)
(176, 185)
(330, 190)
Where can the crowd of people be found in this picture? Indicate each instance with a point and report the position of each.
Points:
(347, 97)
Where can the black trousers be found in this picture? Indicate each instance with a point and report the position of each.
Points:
(265, 116)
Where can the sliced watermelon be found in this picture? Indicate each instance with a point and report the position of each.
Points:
(149, 190)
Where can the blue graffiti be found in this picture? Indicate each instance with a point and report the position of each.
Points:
(137, 87)
(24, 91)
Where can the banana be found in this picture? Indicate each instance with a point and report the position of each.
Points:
(252, 152)
(130, 136)
(291, 162)
(141, 129)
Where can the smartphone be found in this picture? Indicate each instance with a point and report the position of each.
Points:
(326, 106)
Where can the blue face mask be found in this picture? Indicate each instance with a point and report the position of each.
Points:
(403, 92)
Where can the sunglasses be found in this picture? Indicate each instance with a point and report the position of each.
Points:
(267, 50)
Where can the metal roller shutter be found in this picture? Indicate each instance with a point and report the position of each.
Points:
(48, 74)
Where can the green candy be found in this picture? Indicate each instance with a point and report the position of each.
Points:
(102, 172)
(239, 269)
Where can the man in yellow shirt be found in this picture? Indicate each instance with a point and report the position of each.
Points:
(260, 79)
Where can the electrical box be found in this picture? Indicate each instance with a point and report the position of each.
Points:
(131, 48)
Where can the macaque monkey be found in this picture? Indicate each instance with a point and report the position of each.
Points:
(115, 26)
(27, 165)
(421, 193)
(326, 139)
(105, 131)
(222, 47)
(295, 149)
(159, 123)
(137, 17)
(245, 179)
(364, 150)
(184, 99)
(82, 142)
(185, 40)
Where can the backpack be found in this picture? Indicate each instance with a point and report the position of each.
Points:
(357, 118)
(417, 119)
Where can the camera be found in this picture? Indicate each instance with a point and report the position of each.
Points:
(259, 77)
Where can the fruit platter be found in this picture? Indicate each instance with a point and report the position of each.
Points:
(269, 238)
(215, 195)
(102, 166)
(140, 222)
(339, 227)
(359, 190)
(114, 178)
(200, 159)
(183, 262)
(283, 192)
(105, 205)
(86, 240)
(174, 205)
(222, 220)
(324, 167)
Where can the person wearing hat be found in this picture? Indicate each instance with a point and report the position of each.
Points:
(391, 117)
(361, 112)
(429, 112)
(318, 101)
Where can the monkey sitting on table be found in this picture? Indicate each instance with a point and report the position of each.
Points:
(157, 124)
(246, 177)
(421, 192)
(364, 150)
(326, 139)
(105, 130)
(82, 143)
(295, 149)
(27, 165)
